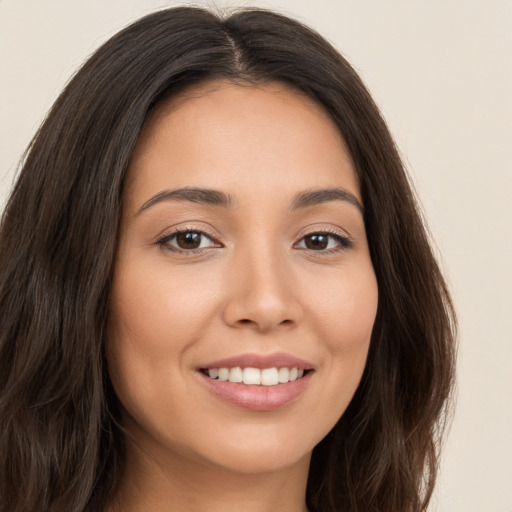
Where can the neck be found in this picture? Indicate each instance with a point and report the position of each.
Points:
(182, 484)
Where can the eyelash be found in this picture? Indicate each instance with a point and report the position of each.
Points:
(344, 242)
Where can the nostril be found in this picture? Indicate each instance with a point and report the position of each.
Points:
(246, 321)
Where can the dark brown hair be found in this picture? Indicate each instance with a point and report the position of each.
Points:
(61, 447)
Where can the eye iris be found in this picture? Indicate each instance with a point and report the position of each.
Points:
(189, 240)
(317, 241)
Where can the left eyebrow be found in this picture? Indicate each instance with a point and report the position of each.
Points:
(314, 197)
(193, 195)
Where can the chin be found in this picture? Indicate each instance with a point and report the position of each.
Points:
(260, 449)
(260, 459)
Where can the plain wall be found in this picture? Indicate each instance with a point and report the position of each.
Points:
(441, 72)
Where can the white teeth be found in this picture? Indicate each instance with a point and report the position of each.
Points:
(269, 377)
(252, 376)
(235, 374)
(255, 376)
(284, 375)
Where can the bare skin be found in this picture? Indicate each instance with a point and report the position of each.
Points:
(147, 486)
(269, 275)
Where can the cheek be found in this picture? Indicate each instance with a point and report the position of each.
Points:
(142, 325)
(158, 311)
(343, 315)
(344, 308)
(156, 317)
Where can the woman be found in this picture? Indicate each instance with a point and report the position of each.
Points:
(216, 289)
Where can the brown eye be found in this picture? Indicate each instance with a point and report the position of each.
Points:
(186, 241)
(325, 242)
(319, 241)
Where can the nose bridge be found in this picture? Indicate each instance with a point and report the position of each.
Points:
(261, 290)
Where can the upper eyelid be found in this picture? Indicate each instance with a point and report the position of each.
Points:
(308, 230)
(186, 229)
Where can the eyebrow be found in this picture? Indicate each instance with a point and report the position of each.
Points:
(314, 197)
(193, 195)
(217, 198)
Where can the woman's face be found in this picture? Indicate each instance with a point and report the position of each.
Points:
(242, 256)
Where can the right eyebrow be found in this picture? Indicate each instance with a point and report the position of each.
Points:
(192, 194)
(324, 195)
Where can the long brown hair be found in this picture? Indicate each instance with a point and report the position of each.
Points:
(61, 446)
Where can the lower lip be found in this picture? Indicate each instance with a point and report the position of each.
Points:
(258, 398)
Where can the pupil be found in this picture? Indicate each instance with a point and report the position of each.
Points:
(316, 242)
(189, 240)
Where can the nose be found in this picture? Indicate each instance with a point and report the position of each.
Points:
(261, 293)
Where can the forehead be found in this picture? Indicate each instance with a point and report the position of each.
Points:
(236, 135)
(229, 95)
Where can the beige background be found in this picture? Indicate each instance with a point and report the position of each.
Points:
(442, 73)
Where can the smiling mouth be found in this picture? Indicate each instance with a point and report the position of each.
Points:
(255, 376)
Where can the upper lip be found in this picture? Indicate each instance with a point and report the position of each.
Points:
(261, 361)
